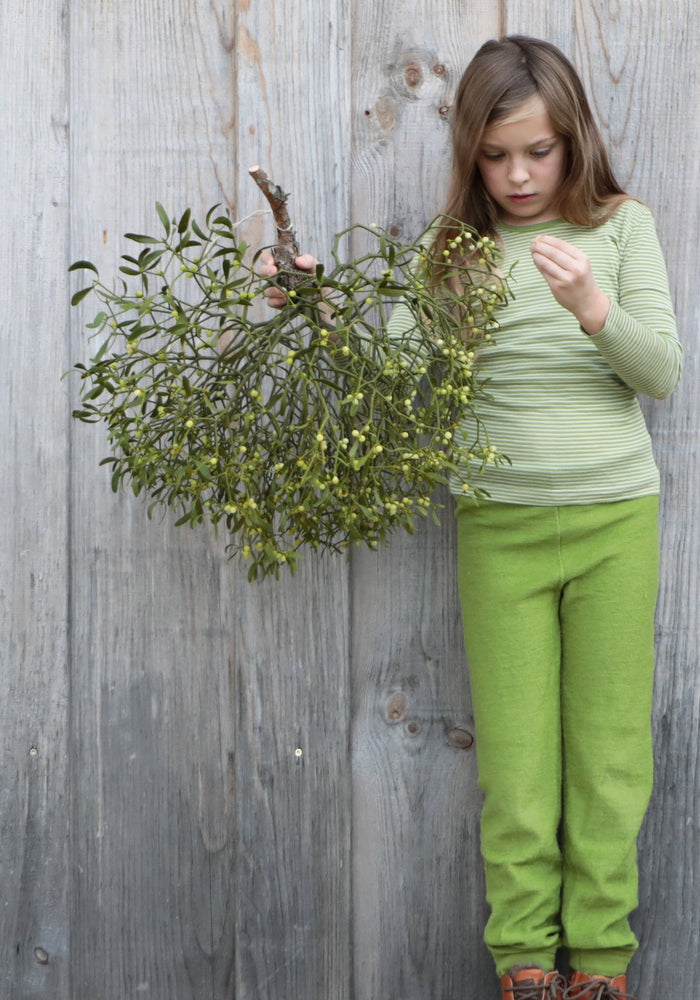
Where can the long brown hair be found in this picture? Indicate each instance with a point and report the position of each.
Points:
(503, 74)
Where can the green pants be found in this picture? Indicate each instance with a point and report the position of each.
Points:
(558, 612)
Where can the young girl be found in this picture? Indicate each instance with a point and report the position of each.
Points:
(558, 568)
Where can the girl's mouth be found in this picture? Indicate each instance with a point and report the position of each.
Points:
(520, 198)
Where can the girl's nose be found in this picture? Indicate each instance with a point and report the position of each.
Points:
(518, 173)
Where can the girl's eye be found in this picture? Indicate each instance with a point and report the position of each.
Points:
(492, 156)
(539, 153)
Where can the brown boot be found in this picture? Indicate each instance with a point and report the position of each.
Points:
(524, 982)
(584, 987)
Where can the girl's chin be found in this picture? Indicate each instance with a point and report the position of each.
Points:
(524, 211)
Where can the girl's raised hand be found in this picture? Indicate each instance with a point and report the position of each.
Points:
(567, 271)
(277, 297)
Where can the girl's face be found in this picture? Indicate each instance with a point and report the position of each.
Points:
(522, 163)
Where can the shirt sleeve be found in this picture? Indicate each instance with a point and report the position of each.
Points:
(640, 340)
(401, 322)
(402, 331)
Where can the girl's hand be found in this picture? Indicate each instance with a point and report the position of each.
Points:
(277, 297)
(567, 271)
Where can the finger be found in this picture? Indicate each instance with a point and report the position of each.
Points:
(563, 253)
(556, 261)
(550, 269)
(552, 252)
(275, 298)
(305, 262)
(545, 239)
(556, 275)
(266, 264)
(553, 256)
(547, 268)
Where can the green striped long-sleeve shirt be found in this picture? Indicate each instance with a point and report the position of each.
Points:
(563, 405)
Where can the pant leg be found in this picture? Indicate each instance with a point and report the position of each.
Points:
(509, 575)
(607, 615)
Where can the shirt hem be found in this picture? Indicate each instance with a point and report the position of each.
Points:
(562, 501)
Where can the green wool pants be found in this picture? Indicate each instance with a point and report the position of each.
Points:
(558, 613)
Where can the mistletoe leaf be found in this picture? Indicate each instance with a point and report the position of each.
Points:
(83, 265)
(79, 296)
(163, 216)
(139, 238)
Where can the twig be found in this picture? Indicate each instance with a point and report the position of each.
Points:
(287, 248)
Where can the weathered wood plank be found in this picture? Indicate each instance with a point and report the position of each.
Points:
(152, 720)
(293, 789)
(552, 22)
(559, 25)
(404, 76)
(418, 894)
(625, 53)
(622, 53)
(34, 870)
(290, 646)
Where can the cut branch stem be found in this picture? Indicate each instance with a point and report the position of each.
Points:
(287, 248)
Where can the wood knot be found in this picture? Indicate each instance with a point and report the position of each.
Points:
(385, 110)
(396, 707)
(439, 69)
(460, 738)
(413, 75)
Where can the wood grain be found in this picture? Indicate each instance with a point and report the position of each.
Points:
(152, 719)
(419, 905)
(34, 822)
(290, 642)
(553, 22)
(647, 129)
(224, 791)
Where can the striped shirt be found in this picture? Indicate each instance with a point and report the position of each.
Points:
(563, 405)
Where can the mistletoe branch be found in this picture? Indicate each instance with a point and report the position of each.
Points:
(292, 436)
(287, 247)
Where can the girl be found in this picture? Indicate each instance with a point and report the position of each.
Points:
(558, 568)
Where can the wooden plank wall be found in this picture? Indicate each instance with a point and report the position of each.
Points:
(217, 790)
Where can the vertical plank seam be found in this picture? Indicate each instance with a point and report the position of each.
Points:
(68, 13)
(349, 570)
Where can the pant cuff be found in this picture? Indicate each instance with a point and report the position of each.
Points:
(608, 962)
(506, 961)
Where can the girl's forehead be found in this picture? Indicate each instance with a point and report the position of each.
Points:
(533, 107)
(526, 124)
